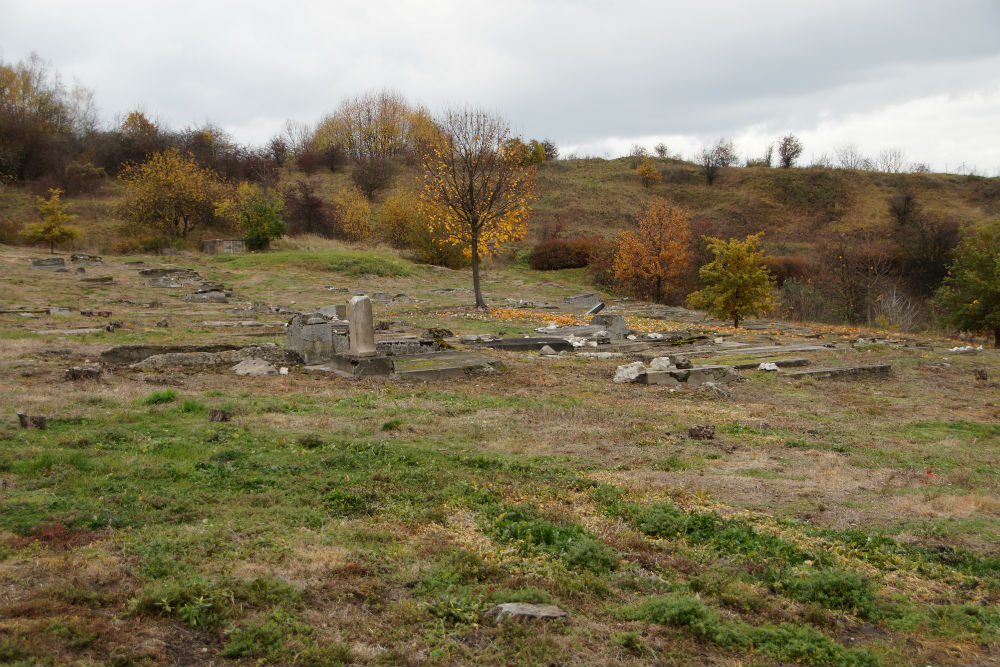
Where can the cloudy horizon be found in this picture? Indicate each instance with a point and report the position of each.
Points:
(596, 78)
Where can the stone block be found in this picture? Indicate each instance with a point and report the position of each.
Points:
(585, 301)
(362, 326)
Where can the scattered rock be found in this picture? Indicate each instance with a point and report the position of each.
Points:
(89, 259)
(97, 280)
(115, 324)
(547, 351)
(702, 432)
(254, 368)
(682, 362)
(96, 313)
(163, 323)
(981, 374)
(216, 415)
(32, 421)
(767, 366)
(83, 373)
(629, 372)
(55, 310)
(520, 611)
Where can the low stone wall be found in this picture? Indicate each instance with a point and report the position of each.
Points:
(224, 247)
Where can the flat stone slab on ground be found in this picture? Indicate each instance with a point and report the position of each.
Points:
(531, 343)
(522, 610)
(48, 263)
(123, 355)
(691, 376)
(780, 363)
(759, 351)
(443, 365)
(846, 372)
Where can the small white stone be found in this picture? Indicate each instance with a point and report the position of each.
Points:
(283, 371)
(767, 366)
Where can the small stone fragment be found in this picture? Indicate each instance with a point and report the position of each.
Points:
(520, 611)
(682, 362)
(32, 421)
(981, 374)
(254, 368)
(702, 432)
(83, 373)
(163, 324)
(767, 366)
(216, 415)
(438, 332)
(547, 351)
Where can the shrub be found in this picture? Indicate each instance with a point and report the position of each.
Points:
(835, 589)
(371, 175)
(785, 267)
(397, 218)
(573, 253)
(82, 177)
(159, 397)
(354, 221)
(307, 213)
(647, 172)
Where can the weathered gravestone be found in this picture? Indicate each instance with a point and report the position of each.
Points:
(362, 326)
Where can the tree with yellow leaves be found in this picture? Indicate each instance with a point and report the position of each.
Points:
(738, 283)
(475, 187)
(354, 216)
(169, 194)
(53, 228)
(648, 173)
(652, 262)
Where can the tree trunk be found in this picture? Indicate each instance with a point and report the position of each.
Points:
(736, 322)
(996, 338)
(475, 273)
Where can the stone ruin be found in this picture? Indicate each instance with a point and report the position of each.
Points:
(349, 349)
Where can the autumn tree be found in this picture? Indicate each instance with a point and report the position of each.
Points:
(712, 159)
(738, 283)
(652, 261)
(53, 228)
(648, 173)
(970, 294)
(475, 187)
(789, 150)
(169, 194)
(256, 212)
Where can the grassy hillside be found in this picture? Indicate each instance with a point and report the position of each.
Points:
(796, 208)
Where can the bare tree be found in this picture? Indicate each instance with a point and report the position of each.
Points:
(903, 206)
(635, 155)
(891, 160)
(714, 158)
(850, 157)
(789, 150)
(661, 150)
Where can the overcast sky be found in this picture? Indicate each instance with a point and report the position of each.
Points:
(595, 77)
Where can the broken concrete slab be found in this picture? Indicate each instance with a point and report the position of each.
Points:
(691, 376)
(349, 365)
(629, 372)
(526, 344)
(83, 373)
(844, 373)
(613, 324)
(585, 301)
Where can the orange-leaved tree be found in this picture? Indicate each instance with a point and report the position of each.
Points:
(652, 262)
(475, 187)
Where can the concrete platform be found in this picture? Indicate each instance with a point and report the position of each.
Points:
(529, 344)
(780, 363)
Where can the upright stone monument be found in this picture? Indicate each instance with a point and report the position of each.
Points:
(362, 326)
